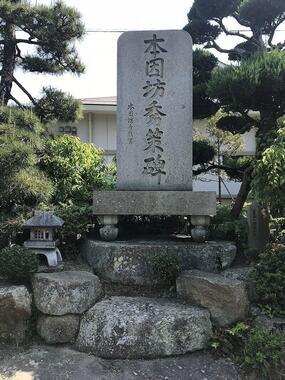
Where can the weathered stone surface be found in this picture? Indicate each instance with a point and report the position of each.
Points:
(242, 274)
(154, 135)
(15, 310)
(63, 363)
(135, 262)
(154, 203)
(225, 298)
(66, 293)
(126, 327)
(275, 325)
(58, 329)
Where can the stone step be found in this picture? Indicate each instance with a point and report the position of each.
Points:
(138, 327)
(71, 292)
(243, 273)
(226, 298)
(146, 262)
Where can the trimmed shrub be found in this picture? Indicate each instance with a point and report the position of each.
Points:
(269, 277)
(17, 263)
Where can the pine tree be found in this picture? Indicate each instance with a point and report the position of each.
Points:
(50, 34)
(257, 82)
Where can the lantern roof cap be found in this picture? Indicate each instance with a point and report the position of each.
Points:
(43, 219)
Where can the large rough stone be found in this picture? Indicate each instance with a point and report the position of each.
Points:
(54, 329)
(275, 325)
(15, 311)
(243, 274)
(226, 298)
(66, 293)
(126, 327)
(136, 262)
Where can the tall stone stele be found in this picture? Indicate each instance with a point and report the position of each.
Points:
(154, 134)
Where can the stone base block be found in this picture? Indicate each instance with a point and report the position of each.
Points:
(61, 329)
(225, 298)
(127, 327)
(138, 262)
(154, 202)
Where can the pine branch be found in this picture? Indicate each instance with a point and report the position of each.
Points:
(213, 45)
(29, 41)
(241, 21)
(272, 33)
(19, 52)
(213, 166)
(17, 102)
(230, 32)
(25, 91)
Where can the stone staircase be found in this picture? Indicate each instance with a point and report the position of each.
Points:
(125, 310)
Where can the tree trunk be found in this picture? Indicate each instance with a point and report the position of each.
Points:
(266, 125)
(8, 65)
(243, 192)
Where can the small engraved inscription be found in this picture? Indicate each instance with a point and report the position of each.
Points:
(131, 115)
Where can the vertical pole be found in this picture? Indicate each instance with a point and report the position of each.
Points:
(90, 134)
(219, 174)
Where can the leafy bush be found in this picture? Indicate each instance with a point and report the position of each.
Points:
(167, 268)
(225, 227)
(258, 350)
(76, 219)
(76, 169)
(10, 228)
(269, 277)
(232, 339)
(264, 353)
(17, 263)
(269, 177)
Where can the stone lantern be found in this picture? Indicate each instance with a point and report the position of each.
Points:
(43, 240)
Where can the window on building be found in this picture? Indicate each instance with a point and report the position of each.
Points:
(68, 130)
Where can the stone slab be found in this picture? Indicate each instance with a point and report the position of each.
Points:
(63, 363)
(136, 262)
(225, 298)
(138, 327)
(154, 203)
(154, 134)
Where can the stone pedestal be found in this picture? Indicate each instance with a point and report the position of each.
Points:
(109, 205)
(139, 262)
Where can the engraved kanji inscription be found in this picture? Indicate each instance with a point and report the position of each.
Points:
(131, 120)
(153, 89)
(154, 113)
(153, 139)
(155, 67)
(154, 166)
(154, 47)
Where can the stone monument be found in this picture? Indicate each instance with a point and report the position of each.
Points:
(142, 316)
(154, 134)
